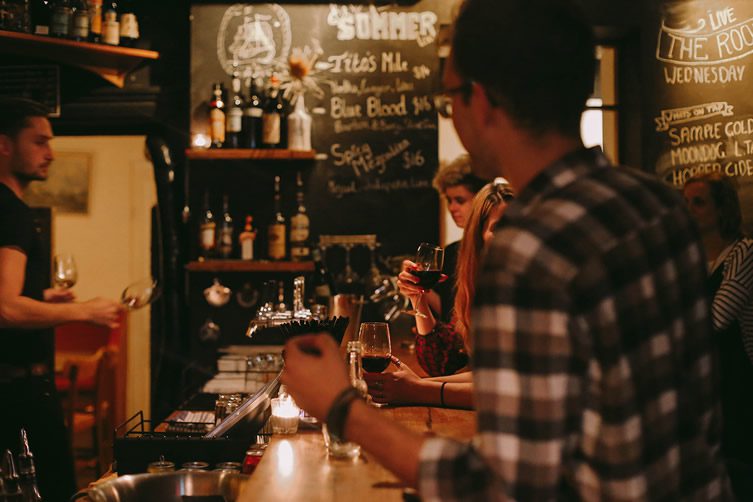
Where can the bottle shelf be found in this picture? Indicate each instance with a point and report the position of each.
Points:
(109, 62)
(249, 153)
(250, 266)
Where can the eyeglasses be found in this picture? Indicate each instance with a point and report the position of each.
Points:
(443, 98)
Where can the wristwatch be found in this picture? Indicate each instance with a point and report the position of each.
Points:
(338, 412)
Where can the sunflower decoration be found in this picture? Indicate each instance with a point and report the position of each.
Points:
(301, 73)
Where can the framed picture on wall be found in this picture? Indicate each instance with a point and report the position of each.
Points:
(67, 187)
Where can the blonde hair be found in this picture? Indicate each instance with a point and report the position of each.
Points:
(485, 202)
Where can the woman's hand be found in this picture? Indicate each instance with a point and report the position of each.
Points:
(59, 295)
(408, 283)
(400, 387)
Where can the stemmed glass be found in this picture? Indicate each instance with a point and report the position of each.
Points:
(376, 348)
(140, 294)
(348, 278)
(65, 272)
(428, 271)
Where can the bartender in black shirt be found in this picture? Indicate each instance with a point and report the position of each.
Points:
(28, 310)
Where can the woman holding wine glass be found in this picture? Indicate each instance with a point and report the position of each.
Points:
(441, 348)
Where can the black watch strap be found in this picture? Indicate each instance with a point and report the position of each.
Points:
(338, 412)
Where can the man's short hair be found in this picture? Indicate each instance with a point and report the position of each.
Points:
(15, 113)
(457, 173)
(534, 58)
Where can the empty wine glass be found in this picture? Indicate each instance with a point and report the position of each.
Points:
(65, 272)
(348, 279)
(428, 271)
(140, 294)
(376, 348)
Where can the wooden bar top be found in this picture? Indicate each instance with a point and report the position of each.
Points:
(296, 467)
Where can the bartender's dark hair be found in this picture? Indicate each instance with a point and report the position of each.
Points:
(534, 58)
(724, 194)
(15, 113)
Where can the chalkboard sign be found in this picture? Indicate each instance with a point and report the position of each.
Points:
(701, 107)
(369, 92)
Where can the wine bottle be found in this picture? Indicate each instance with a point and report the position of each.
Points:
(226, 230)
(252, 117)
(95, 21)
(299, 227)
(276, 230)
(111, 24)
(217, 115)
(41, 14)
(207, 230)
(246, 240)
(323, 287)
(27, 471)
(234, 119)
(272, 116)
(60, 21)
(80, 21)
(129, 24)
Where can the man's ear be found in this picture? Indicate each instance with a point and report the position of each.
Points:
(6, 145)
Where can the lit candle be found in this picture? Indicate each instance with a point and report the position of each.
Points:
(284, 415)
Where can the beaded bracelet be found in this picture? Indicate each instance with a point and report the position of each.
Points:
(338, 412)
(441, 394)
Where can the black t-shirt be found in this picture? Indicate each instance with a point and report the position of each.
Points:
(446, 289)
(17, 230)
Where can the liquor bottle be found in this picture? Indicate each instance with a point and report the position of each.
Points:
(80, 22)
(129, 24)
(226, 230)
(276, 231)
(15, 16)
(272, 116)
(207, 230)
(217, 115)
(299, 227)
(322, 284)
(27, 471)
(41, 14)
(60, 22)
(246, 240)
(299, 127)
(252, 117)
(234, 122)
(95, 21)
(11, 481)
(355, 372)
(111, 23)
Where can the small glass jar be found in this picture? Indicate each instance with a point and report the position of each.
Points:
(195, 466)
(228, 466)
(160, 465)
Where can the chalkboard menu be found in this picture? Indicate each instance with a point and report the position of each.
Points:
(700, 65)
(369, 93)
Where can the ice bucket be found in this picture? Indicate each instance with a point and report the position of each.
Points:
(170, 487)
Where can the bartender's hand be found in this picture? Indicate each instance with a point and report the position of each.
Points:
(103, 311)
(314, 373)
(59, 295)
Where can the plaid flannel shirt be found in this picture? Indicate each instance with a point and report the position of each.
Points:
(594, 373)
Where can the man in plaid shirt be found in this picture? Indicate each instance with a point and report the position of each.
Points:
(594, 376)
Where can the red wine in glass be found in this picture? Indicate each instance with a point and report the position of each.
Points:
(375, 364)
(427, 279)
(428, 270)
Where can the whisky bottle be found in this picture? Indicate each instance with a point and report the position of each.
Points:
(207, 230)
(60, 22)
(226, 230)
(27, 471)
(129, 24)
(217, 115)
(95, 21)
(246, 240)
(80, 21)
(252, 117)
(276, 230)
(299, 227)
(111, 24)
(272, 116)
(41, 13)
(234, 118)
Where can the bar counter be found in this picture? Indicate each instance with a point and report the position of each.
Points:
(297, 467)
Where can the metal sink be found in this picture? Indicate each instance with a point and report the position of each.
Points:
(178, 486)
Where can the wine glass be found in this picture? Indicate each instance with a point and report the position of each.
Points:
(140, 294)
(376, 348)
(65, 272)
(428, 271)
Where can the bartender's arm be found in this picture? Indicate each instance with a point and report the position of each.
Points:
(314, 380)
(18, 311)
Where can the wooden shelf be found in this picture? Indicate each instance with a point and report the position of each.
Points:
(249, 154)
(250, 266)
(109, 62)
